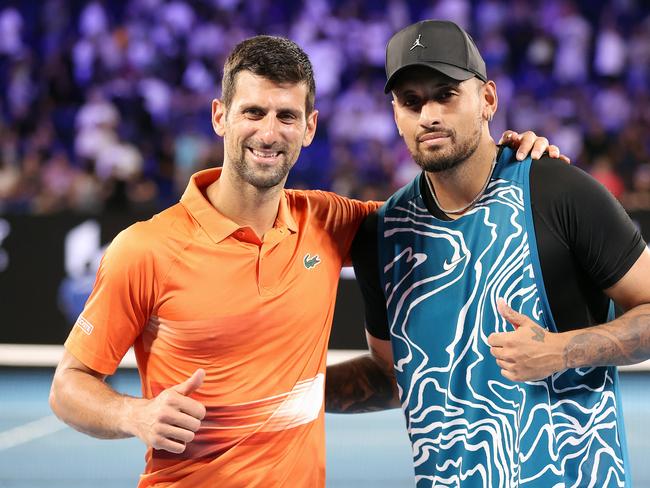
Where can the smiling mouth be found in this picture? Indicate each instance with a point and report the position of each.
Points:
(264, 155)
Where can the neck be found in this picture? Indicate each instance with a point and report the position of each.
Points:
(459, 186)
(243, 203)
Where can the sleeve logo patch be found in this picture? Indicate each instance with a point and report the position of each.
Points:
(84, 325)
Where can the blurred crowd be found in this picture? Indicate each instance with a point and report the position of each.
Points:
(105, 105)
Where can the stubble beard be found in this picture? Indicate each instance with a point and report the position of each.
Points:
(439, 160)
(258, 176)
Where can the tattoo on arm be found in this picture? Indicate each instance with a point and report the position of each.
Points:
(622, 341)
(360, 385)
(539, 334)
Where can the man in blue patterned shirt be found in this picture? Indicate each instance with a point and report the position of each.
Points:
(489, 287)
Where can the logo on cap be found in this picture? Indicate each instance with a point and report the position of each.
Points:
(417, 43)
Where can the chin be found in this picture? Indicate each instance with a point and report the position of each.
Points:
(437, 164)
(266, 179)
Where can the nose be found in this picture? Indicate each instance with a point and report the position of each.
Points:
(269, 129)
(430, 114)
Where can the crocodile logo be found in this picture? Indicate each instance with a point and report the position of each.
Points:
(311, 261)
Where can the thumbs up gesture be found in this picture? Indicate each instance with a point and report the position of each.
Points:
(169, 421)
(528, 353)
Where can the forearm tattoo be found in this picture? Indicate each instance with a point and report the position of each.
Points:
(623, 341)
(359, 385)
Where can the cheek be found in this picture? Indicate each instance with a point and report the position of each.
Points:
(294, 136)
(407, 125)
(408, 133)
(242, 134)
(233, 140)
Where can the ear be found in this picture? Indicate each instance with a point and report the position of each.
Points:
(489, 99)
(310, 131)
(218, 117)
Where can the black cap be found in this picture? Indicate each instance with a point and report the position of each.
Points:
(438, 44)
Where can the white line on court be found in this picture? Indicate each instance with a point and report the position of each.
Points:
(30, 431)
(27, 355)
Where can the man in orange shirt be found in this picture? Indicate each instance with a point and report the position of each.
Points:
(227, 299)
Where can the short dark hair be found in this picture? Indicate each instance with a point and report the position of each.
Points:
(275, 58)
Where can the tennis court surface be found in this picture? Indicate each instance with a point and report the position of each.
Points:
(366, 450)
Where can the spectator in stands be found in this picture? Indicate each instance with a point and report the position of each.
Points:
(129, 74)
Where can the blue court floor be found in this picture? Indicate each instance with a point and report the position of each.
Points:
(368, 450)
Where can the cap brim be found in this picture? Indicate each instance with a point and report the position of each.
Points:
(450, 70)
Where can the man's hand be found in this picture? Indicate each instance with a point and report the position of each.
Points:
(530, 352)
(530, 143)
(169, 421)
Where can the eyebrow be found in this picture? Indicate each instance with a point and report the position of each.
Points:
(291, 111)
(281, 110)
(252, 106)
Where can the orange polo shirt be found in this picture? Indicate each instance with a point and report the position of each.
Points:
(191, 289)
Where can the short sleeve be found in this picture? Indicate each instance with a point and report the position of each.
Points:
(587, 217)
(120, 304)
(365, 257)
(342, 219)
